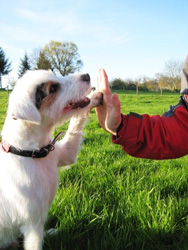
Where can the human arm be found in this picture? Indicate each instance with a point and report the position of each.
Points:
(156, 137)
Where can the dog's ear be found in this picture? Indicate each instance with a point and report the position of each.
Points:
(25, 111)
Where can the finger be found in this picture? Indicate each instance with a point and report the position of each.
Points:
(102, 82)
(116, 103)
(116, 111)
(99, 80)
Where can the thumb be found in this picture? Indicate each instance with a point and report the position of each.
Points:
(114, 115)
(116, 103)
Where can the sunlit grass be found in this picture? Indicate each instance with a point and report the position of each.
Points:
(109, 200)
(3, 107)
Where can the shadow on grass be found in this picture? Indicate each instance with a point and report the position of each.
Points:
(130, 236)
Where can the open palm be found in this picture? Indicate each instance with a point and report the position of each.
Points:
(109, 114)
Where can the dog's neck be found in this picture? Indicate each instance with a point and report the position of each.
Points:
(25, 135)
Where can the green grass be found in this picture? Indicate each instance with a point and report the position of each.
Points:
(111, 201)
(3, 107)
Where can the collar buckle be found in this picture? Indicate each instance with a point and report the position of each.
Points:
(43, 152)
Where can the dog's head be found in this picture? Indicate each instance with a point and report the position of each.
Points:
(40, 96)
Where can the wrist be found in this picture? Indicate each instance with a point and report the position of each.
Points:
(118, 126)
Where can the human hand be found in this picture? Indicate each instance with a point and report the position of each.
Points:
(108, 114)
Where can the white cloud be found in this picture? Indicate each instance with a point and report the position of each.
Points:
(102, 36)
(59, 21)
(17, 33)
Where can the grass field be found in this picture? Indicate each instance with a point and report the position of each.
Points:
(111, 201)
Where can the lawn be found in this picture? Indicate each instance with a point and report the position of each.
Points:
(111, 201)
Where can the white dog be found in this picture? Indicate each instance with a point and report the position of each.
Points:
(28, 156)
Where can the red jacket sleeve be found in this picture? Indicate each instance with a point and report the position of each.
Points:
(155, 137)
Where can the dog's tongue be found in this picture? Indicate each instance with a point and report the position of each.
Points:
(80, 104)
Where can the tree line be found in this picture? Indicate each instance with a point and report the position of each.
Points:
(63, 58)
(170, 80)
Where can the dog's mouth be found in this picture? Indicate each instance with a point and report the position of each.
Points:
(74, 105)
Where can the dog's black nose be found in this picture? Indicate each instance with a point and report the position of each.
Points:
(85, 77)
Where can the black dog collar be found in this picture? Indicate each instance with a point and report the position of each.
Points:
(43, 152)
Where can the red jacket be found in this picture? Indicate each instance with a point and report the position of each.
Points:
(155, 137)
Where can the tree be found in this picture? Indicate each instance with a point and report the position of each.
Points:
(43, 62)
(34, 56)
(161, 84)
(63, 57)
(117, 83)
(5, 65)
(24, 65)
(161, 81)
(173, 70)
(152, 85)
(12, 81)
(130, 84)
(137, 82)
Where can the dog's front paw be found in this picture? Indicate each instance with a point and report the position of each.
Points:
(96, 99)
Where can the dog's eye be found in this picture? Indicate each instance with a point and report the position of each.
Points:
(53, 88)
(40, 95)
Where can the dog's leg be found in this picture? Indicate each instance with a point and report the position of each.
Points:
(33, 237)
(71, 142)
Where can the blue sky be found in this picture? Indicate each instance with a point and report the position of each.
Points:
(129, 38)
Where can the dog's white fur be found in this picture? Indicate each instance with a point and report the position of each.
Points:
(28, 186)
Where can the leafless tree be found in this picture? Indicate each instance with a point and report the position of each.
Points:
(173, 69)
